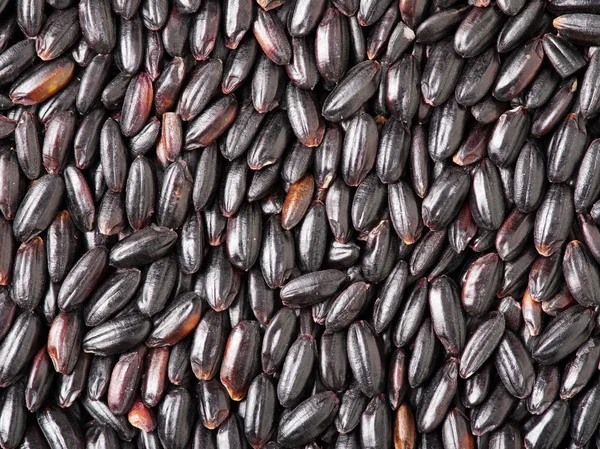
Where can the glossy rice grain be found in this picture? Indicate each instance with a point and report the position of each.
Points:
(553, 219)
(444, 199)
(518, 70)
(240, 360)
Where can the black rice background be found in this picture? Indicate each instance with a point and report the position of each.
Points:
(299, 223)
